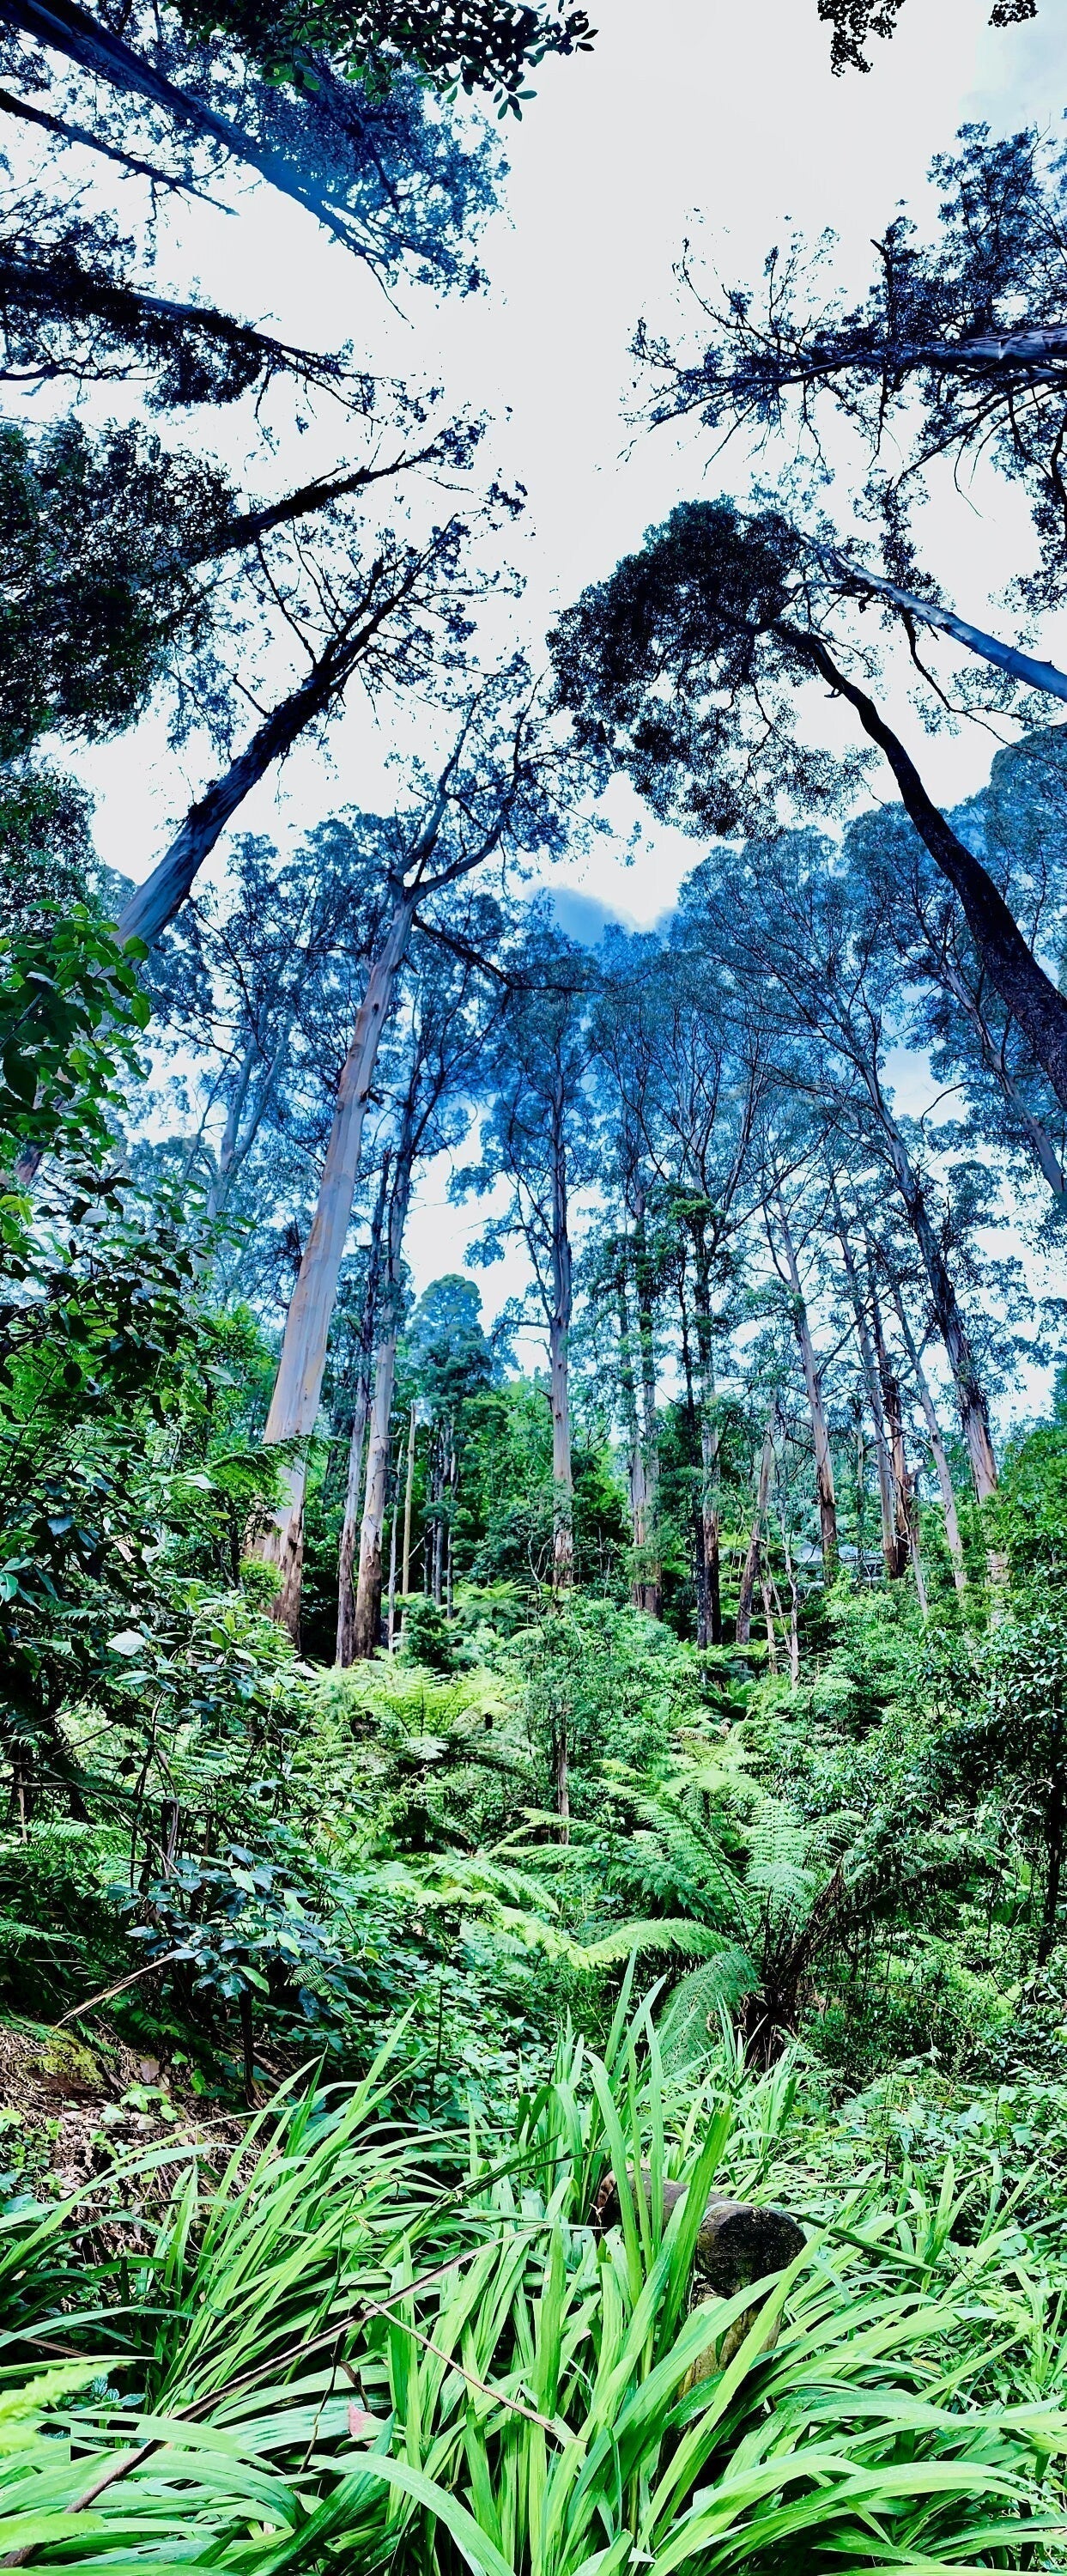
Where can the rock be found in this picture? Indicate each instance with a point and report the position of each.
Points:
(737, 2242)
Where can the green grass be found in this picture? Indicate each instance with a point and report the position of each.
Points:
(369, 2348)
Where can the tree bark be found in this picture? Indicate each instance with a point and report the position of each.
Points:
(635, 1461)
(824, 1466)
(346, 1555)
(559, 1326)
(366, 1631)
(1013, 970)
(390, 1633)
(937, 1445)
(750, 1569)
(408, 1487)
(63, 28)
(155, 902)
(1004, 657)
(368, 1611)
(974, 1418)
(904, 1512)
(650, 1586)
(710, 1592)
(890, 1550)
(298, 1386)
(1036, 1133)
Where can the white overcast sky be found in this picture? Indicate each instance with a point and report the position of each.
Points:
(720, 115)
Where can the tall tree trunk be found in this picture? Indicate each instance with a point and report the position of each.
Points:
(409, 1482)
(94, 49)
(651, 1587)
(366, 1633)
(937, 1445)
(368, 1613)
(890, 1552)
(1012, 968)
(751, 1565)
(904, 1504)
(710, 1518)
(155, 902)
(346, 1554)
(559, 1326)
(635, 1461)
(298, 1385)
(974, 1418)
(391, 1628)
(824, 1466)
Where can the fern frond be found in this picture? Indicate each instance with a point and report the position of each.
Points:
(689, 2023)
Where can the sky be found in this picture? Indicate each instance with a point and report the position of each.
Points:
(716, 121)
(722, 127)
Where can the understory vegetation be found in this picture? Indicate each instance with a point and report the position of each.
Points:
(533, 1451)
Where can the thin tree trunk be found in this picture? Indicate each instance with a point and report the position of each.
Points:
(903, 1496)
(61, 27)
(710, 1521)
(155, 902)
(794, 1607)
(559, 1363)
(890, 1552)
(752, 1560)
(651, 1586)
(768, 1617)
(298, 1385)
(368, 1612)
(391, 1631)
(824, 1467)
(937, 1445)
(234, 1150)
(974, 1418)
(1036, 1133)
(562, 1771)
(346, 1555)
(975, 639)
(635, 1463)
(1011, 966)
(408, 1487)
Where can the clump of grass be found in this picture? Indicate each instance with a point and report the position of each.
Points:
(364, 2351)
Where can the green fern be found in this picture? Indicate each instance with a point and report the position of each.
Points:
(690, 2024)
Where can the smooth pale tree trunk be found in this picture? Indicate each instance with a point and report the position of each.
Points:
(637, 1492)
(391, 1627)
(890, 1551)
(346, 1554)
(651, 1583)
(1037, 1135)
(368, 1615)
(559, 1327)
(368, 1611)
(974, 1418)
(1012, 968)
(710, 1590)
(794, 1607)
(162, 895)
(824, 1465)
(751, 1565)
(155, 903)
(904, 1496)
(237, 1142)
(298, 1385)
(409, 1483)
(937, 1445)
(975, 639)
(92, 46)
